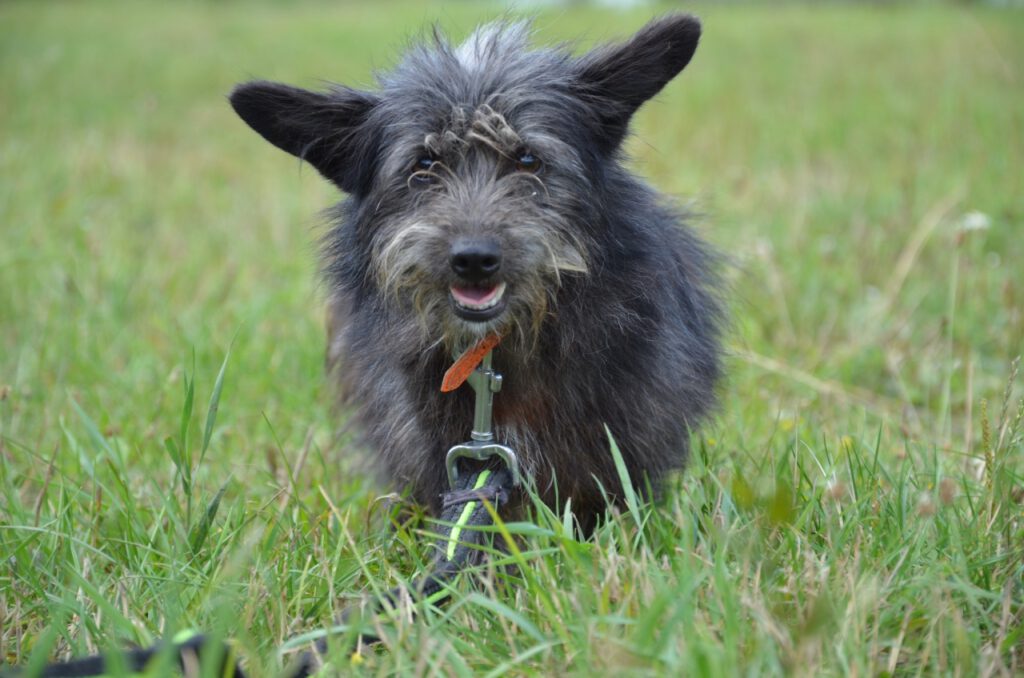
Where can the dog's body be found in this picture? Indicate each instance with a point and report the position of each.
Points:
(486, 194)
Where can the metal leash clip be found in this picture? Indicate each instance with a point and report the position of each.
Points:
(485, 382)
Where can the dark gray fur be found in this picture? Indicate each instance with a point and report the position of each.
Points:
(613, 316)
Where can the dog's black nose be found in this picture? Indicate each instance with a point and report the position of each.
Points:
(475, 259)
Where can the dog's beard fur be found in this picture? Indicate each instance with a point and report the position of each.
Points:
(610, 316)
(407, 264)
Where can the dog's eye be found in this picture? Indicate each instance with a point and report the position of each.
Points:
(421, 169)
(527, 162)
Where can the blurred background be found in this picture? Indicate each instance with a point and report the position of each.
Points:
(859, 163)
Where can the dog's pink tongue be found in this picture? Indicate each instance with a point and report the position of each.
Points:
(474, 295)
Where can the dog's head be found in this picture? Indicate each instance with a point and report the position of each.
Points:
(477, 174)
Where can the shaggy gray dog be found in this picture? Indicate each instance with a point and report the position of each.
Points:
(486, 194)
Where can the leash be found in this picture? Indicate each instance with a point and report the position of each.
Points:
(482, 475)
(465, 508)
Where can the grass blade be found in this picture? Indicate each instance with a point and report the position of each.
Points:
(211, 411)
(202, 528)
(627, 485)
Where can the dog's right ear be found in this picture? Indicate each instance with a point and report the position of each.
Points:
(618, 79)
(327, 130)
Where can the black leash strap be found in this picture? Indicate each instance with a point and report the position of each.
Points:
(464, 509)
(190, 651)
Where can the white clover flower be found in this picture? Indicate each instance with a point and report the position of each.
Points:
(975, 221)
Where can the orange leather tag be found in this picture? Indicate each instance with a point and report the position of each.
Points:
(458, 373)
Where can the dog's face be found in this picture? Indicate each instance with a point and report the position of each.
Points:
(475, 173)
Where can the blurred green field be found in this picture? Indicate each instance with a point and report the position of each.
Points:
(856, 509)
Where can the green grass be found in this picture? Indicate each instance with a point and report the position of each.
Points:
(856, 509)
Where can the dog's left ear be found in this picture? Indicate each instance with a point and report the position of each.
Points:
(327, 130)
(617, 79)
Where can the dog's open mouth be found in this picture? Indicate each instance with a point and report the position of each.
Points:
(478, 303)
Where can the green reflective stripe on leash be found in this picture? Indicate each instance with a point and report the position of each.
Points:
(467, 511)
(182, 637)
(436, 597)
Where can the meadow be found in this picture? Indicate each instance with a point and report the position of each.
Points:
(170, 457)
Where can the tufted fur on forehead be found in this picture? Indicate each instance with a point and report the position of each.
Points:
(342, 131)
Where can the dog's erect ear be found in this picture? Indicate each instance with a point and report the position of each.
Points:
(326, 130)
(617, 79)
